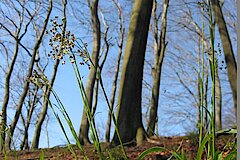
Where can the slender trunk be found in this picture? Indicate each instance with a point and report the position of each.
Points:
(114, 88)
(47, 93)
(159, 52)
(84, 127)
(205, 103)
(114, 85)
(32, 104)
(129, 116)
(200, 87)
(3, 123)
(218, 118)
(227, 49)
(26, 84)
(42, 115)
(24, 143)
(100, 66)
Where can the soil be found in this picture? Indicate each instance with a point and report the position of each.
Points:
(187, 143)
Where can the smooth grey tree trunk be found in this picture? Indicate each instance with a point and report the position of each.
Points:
(129, 115)
(3, 123)
(227, 49)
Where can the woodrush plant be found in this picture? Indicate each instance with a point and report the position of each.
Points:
(3, 150)
(66, 45)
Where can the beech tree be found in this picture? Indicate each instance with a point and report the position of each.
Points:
(115, 80)
(84, 127)
(227, 49)
(129, 114)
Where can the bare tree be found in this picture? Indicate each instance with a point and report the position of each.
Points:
(19, 32)
(129, 118)
(84, 127)
(26, 84)
(191, 25)
(33, 98)
(47, 90)
(159, 51)
(114, 85)
(227, 49)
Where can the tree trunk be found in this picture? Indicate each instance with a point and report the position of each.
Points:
(42, 115)
(3, 123)
(205, 103)
(159, 51)
(114, 85)
(227, 49)
(26, 85)
(26, 123)
(218, 118)
(84, 127)
(41, 118)
(129, 116)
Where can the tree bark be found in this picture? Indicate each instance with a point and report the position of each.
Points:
(6, 98)
(159, 51)
(218, 117)
(227, 49)
(84, 127)
(129, 116)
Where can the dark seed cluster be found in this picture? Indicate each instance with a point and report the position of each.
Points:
(64, 43)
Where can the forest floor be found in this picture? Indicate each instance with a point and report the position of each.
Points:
(188, 143)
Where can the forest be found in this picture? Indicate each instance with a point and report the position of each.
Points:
(118, 79)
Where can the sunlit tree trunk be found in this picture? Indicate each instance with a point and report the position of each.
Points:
(159, 51)
(6, 98)
(129, 116)
(84, 127)
(227, 49)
